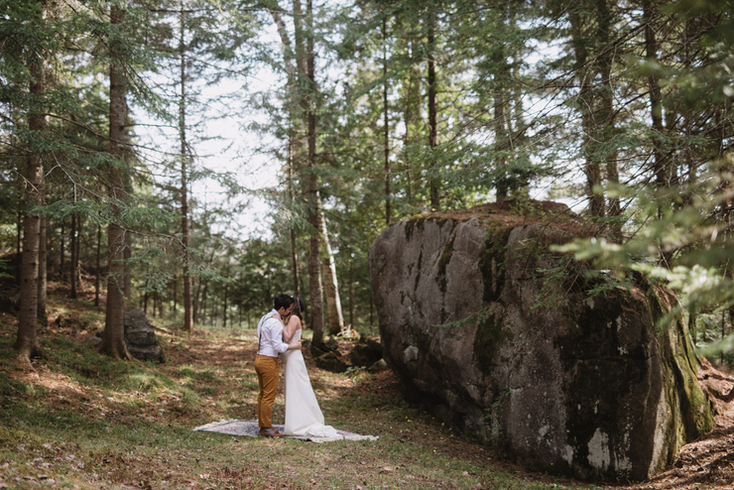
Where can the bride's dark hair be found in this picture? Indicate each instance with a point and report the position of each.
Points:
(298, 307)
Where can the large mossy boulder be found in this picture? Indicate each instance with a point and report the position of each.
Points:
(527, 349)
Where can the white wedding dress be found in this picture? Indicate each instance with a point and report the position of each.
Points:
(303, 416)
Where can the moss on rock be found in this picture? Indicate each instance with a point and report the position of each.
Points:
(493, 262)
(489, 338)
(444, 259)
(412, 224)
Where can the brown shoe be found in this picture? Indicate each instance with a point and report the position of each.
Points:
(268, 432)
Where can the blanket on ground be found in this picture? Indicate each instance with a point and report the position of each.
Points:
(250, 428)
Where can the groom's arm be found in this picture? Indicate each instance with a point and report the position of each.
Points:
(275, 336)
(290, 329)
(293, 346)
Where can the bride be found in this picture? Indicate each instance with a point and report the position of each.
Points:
(303, 416)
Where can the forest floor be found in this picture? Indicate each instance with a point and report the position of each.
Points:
(80, 420)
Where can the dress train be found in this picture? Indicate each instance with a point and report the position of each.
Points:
(303, 417)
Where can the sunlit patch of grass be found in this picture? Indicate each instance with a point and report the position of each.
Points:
(19, 436)
(203, 375)
(23, 389)
(146, 382)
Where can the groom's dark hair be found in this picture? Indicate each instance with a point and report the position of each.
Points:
(283, 301)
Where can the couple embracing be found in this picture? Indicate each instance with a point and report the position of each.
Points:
(279, 333)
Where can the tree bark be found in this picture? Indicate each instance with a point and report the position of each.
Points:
(386, 129)
(201, 314)
(127, 286)
(174, 296)
(145, 298)
(333, 301)
(27, 340)
(649, 15)
(74, 243)
(42, 272)
(224, 308)
(295, 66)
(98, 274)
(301, 77)
(315, 290)
(314, 197)
(113, 340)
(585, 100)
(294, 263)
(291, 196)
(501, 131)
(434, 183)
(195, 301)
(606, 114)
(351, 296)
(412, 94)
(62, 273)
(188, 311)
(19, 240)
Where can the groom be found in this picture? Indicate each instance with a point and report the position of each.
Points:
(270, 344)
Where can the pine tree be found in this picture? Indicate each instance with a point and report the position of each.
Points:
(113, 340)
(27, 341)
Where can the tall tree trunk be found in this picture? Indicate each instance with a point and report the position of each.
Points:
(501, 129)
(127, 286)
(294, 263)
(113, 340)
(74, 244)
(98, 274)
(351, 296)
(302, 75)
(201, 318)
(313, 196)
(27, 341)
(295, 66)
(146, 295)
(606, 114)
(19, 240)
(195, 302)
(175, 294)
(649, 15)
(188, 311)
(42, 272)
(316, 289)
(412, 94)
(62, 273)
(291, 196)
(434, 183)
(224, 308)
(586, 106)
(388, 210)
(333, 301)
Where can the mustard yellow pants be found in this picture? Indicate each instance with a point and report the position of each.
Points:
(266, 368)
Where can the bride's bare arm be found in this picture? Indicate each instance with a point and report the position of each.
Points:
(294, 323)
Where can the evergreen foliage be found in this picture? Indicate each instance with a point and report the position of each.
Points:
(376, 111)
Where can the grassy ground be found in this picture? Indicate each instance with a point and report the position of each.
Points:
(84, 421)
